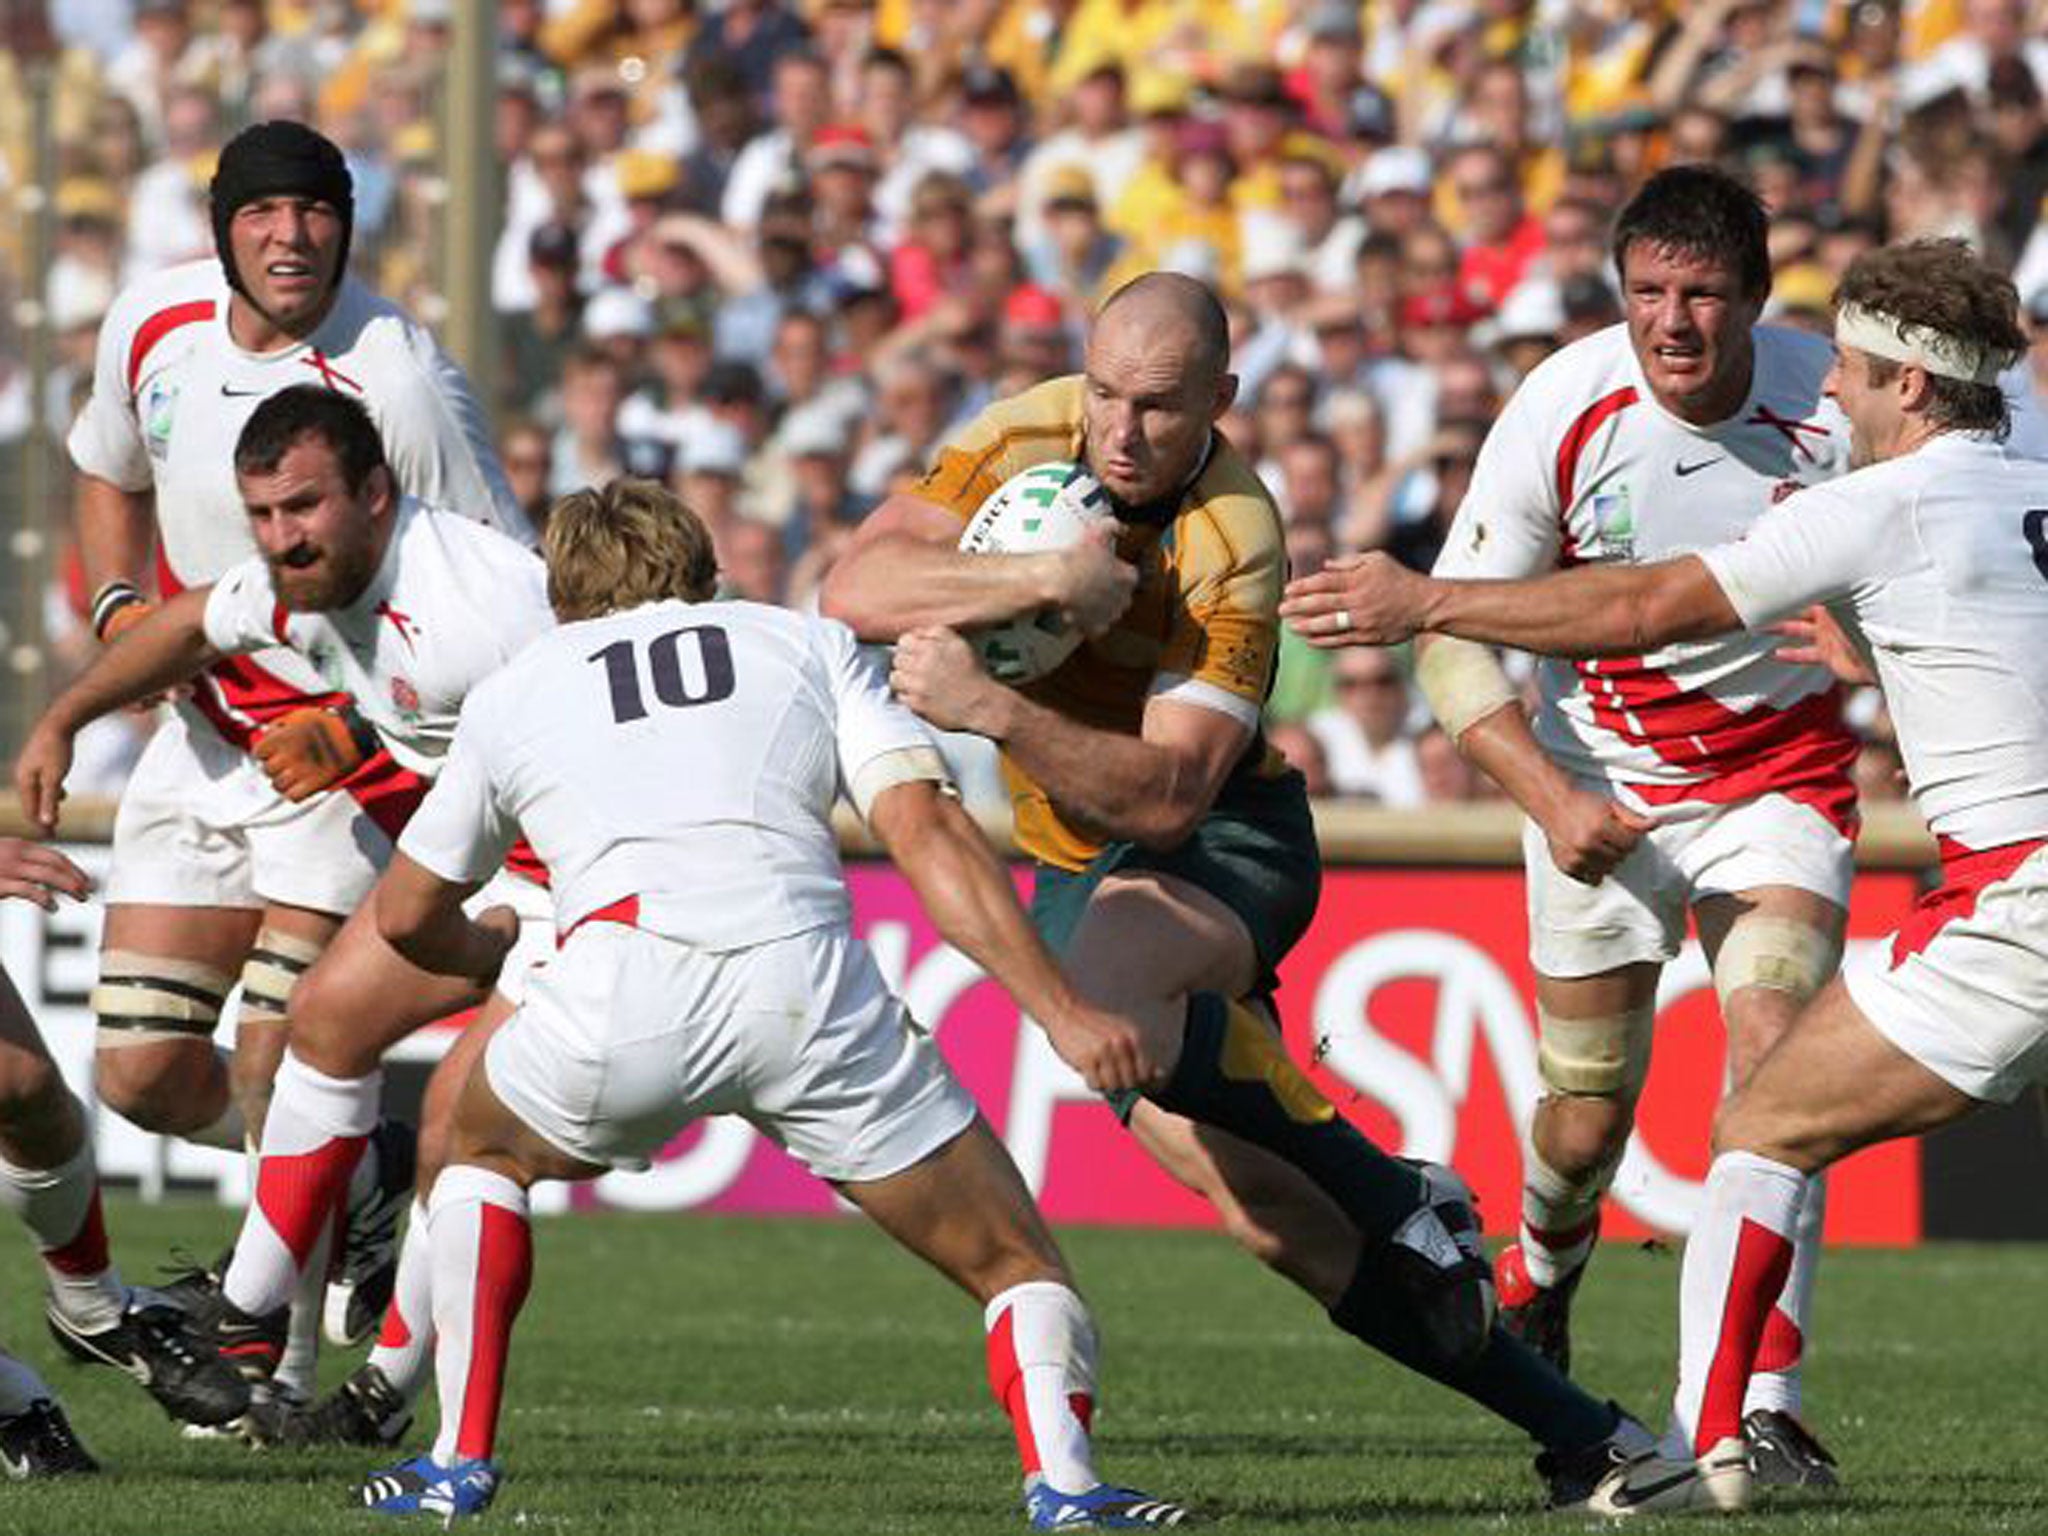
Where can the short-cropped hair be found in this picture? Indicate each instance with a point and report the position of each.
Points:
(310, 410)
(623, 544)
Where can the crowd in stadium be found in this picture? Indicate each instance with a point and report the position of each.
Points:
(772, 251)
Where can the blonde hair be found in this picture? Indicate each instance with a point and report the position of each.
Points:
(627, 543)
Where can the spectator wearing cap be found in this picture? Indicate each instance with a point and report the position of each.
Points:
(1258, 116)
(1529, 325)
(1074, 256)
(841, 168)
(1159, 101)
(644, 184)
(1309, 174)
(1336, 99)
(908, 148)
(799, 104)
(677, 359)
(1276, 292)
(709, 470)
(1036, 340)
(536, 341)
(724, 108)
(1501, 238)
(929, 261)
(1393, 188)
(545, 185)
(620, 323)
(815, 446)
(750, 36)
(1099, 137)
(997, 124)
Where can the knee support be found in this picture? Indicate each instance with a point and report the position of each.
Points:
(143, 999)
(273, 968)
(1606, 1057)
(1781, 953)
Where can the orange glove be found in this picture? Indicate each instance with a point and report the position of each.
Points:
(312, 749)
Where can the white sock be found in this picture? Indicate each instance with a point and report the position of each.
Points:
(1041, 1368)
(299, 1364)
(404, 1350)
(1782, 1350)
(313, 1139)
(1735, 1265)
(1560, 1220)
(60, 1207)
(20, 1386)
(483, 1262)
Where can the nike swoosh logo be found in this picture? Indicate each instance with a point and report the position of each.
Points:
(248, 394)
(1693, 469)
(1629, 1494)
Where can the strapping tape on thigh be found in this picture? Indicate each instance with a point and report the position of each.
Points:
(1781, 953)
(1604, 1056)
(273, 968)
(141, 997)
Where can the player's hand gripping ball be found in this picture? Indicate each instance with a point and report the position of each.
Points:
(1045, 508)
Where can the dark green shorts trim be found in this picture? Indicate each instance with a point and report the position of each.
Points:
(1255, 852)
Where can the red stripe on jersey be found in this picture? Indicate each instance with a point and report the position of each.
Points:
(1964, 874)
(238, 697)
(157, 327)
(1804, 752)
(279, 617)
(1569, 451)
(521, 860)
(1763, 1259)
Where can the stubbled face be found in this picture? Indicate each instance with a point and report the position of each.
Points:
(1872, 409)
(1689, 320)
(321, 540)
(287, 252)
(1145, 410)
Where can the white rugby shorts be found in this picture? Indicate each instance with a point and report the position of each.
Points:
(200, 826)
(627, 1037)
(1962, 987)
(1638, 913)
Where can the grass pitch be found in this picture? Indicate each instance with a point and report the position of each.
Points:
(693, 1374)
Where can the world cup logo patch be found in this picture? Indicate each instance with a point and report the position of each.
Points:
(404, 697)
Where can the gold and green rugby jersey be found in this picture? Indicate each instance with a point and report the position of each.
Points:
(1204, 618)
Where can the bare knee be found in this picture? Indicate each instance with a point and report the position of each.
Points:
(170, 1091)
(40, 1123)
(1578, 1134)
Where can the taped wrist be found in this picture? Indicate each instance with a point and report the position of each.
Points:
(116, 597)
(1462, 681)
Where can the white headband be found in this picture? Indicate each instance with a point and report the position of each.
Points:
(1887, 336)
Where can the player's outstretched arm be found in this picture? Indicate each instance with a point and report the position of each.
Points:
(420, 915)
(165, 647)
(1619, 610)
(905, 571)
(1151, 788)
(965, 890)
(31, 872)
(116, 538)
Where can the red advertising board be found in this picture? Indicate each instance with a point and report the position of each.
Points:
(1410, 995)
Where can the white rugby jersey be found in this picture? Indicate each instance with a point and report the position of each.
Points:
(1939, 559)
(1584, 466)
(172, 391)
(451, 602)
(678, 761)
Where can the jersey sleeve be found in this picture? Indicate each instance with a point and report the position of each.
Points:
(460, 832)
(869, 721)
(242, 612)
(1040, 425)
(1816, 545)
(1509, 523)
(440, 445)
(1221, 653)
(106, 440)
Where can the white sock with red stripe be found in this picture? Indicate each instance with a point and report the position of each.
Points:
(1783, 1346)
(1041, 1368)
(1560, 1221)
(404, 1350)
(61, 1208)
(1736, 1262)
(313, 1137)
(299, 1364)
(483, 1263)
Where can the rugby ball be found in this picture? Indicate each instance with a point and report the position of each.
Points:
(1046, 507)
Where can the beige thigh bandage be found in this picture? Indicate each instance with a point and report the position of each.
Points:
(273, 968)
(1781, 953)
(1608, 1056)
(142, 999)
(1462, 681)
